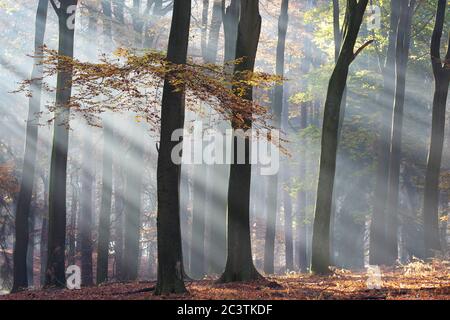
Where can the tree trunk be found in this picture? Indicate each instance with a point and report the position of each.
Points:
(55, 274)
(86, 210)
(73, 220)
(119, 207)
(239, 266)
(441, 73)
(107, 163)
(31, 243)
(402, 51)
(197, 245)
(170, 258)
(105, 210)
(288, 239)
(277, 108)
(133, 189)
(321, 232)
(29, 163)
(377, 253)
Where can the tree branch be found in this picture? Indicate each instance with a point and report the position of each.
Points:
(362, 48)
(57, 10)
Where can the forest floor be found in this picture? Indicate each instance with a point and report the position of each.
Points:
(416, 281)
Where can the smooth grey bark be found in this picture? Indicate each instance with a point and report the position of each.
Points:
(170, 257)
(55, 268)
(20, 280)
(133, 189)
(378, 224)
(441, 73)
(320, 260)
(271, 199)
(107, 168)
(239, 266)
(402, 52)
(72, 230)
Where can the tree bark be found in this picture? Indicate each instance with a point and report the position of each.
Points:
(277, 108)
(107, 163)
(321, 233)
(441, 73)
(402, 52)
(170, 258)
(29, 164)
(377, 253)
(239, 266)
(55, 274)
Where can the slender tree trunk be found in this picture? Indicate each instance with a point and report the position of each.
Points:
(133, 184)
(321, 234)
(31, 243)
(239, 266)
(288, 239)
(55, 274)
(29, 162)
(441, 73)
(377, 251)
(217, 174)
(107, 163)
(277, 106)
(73, 221)
(44, 232)
(402, 52)
(170, 258)
(301, 200)
(86, 211)
(197, 245)
(119, 208)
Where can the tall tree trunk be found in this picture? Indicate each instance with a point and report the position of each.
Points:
(119, 207)
(301, 198)
(73, 220)
(217, 174)
(55, 274)
(441, 73)
(288, 239)
(85, 216)
(31, 243)
(204, 29)
(377, 253)
(170, 258)
(321, 233)
(271, 199)
(105, 210)
(107, 163)
(29, 163)
(44, 232)
(239, 266)
(402, 52)
(197, 245)
(87, 185)
(133, 184)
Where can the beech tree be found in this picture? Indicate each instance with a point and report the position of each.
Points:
(401, 61)
(441, 73)
(277, 106)
(29, 161)
(378, 224)
(170, 260)
(239, 266)
(55, 274)
(321, 232)
(104, 226)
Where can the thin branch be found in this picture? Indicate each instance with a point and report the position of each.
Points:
(362, 48)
